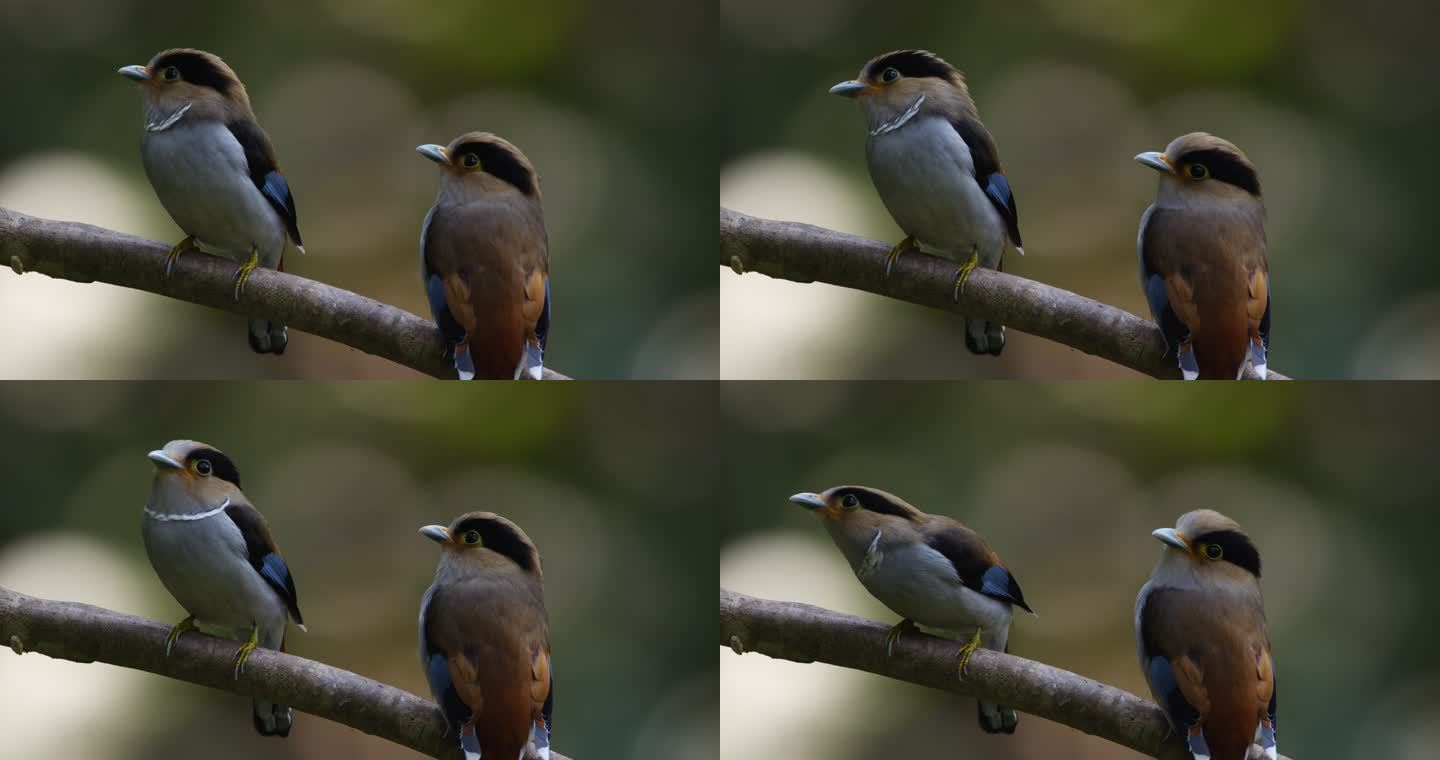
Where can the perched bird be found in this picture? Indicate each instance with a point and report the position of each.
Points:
(214, 553)
(1204, 649)
(1202, 258)
(937, 170)
(484, 639)
(928, 569)
(485, 260)
(214, 170)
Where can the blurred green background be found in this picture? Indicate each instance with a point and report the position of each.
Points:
(1336, 107)
(599, 476)
(600, 96)
(1065, 481)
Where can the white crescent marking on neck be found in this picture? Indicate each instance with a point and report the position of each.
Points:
(161, 126)
(899, 121)
(873, 557)
(173, 516)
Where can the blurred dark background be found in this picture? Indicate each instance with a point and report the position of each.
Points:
(600, 476)
(1334, 104)
(611, 101)
(1065, 481)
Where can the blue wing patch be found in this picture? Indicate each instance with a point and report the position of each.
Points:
(1163, 684)
(1171, 327)
(277, 191)
(998, 189)
(275, 572)
(542, 733)
(998, 583)
(437, 673)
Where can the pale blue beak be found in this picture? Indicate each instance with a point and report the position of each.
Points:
(808, 500)
(1169, 537)
(136, 73)
(437, 533)
(1156, 161)
(848, 89)
(436, 153)
(164, 461)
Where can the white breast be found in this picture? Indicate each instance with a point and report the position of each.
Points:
(925, 175)
(204, 565)
(200, 175)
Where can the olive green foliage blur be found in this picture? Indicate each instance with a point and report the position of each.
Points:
(1066, 482)
(600, 478)
(1331, 106)
(599, 96)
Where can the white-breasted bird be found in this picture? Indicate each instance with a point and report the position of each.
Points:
(1202, 639)
(929, 569)
(937, 170)
(213, 552)
(214, 170)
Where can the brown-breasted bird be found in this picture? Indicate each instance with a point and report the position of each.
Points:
(1203, 262)
(484, 639)
(485, 258)
(1203, 643)
(214, 170)
(937, 170)
(928, 569)
(213, 552)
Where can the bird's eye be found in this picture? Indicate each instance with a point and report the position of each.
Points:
(202, 466)
(472, 537)
(171, 73)
(1198, 171)
(850, 502)
(889, 75)
(1214, 551)
(470, 161)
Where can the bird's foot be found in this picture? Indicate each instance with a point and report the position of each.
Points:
(900, 247)
(895, 632)
(968, 650)
(243, 653)
(188, 624)
(243, 273)
(963, 273)
(175, 251)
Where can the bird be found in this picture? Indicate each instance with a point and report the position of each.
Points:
(1203, 644)
(1203, 264)
(214, 170)
(484, 638)
(928, 569)
(214, 553)
(485, 258)
(937, 170)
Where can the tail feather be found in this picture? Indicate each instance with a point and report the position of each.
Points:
(271, 719)
(997, 719)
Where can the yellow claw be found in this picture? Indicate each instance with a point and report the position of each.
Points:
(179, 248)
(895, 252)
(963, 273)
(243, 273)
(188, 624)
(243, 653)
(895, 631)
(968, 650)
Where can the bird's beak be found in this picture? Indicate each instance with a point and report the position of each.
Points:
(436, 533)
(848, 89)
(1156, 161)
(136, 73)
(436, 153)
(1169, 537)
(808, 500)
(164, 461)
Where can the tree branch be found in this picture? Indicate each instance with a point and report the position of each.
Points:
(82, 633)
(802, 633)
(806, 253)
(84, 253)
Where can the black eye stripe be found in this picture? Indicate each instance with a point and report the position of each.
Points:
(1237, 549)
(1226, 167)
